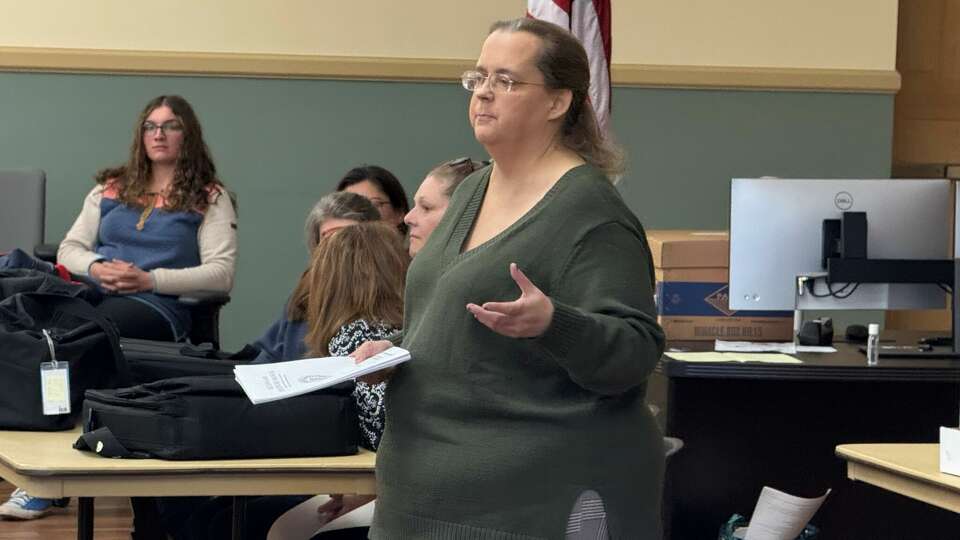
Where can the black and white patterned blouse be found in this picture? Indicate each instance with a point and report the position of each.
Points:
(369, 398)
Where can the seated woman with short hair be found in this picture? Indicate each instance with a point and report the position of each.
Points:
(284, 339)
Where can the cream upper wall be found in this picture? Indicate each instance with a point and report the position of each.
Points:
(841, 34)
(833, 34)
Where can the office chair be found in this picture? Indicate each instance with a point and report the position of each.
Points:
(204, 305)
(22, 204)
(671, 445)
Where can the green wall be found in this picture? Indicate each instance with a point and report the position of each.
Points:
(281, 144)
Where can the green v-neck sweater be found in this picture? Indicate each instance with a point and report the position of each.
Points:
(491, 437)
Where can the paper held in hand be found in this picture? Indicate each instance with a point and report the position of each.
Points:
(272, 382)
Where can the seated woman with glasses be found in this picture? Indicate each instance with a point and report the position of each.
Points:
(430, 201)
(161, 225)
(382, 188)
(283, 340)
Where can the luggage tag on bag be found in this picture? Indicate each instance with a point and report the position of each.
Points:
(54, 382)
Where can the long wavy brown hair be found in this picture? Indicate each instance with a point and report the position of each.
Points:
(195, 172)
(357, 273)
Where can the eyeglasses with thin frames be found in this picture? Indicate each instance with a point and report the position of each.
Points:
(168, 127)
(499, 82)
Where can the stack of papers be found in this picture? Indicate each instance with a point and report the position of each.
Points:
(763, 358)
(271, 382)
(778, 347)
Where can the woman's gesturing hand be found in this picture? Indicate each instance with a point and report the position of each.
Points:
(527, 316)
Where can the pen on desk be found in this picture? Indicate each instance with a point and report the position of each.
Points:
(923, 347)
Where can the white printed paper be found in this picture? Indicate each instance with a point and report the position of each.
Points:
(780, 516)
(768, 346)
(271, 382)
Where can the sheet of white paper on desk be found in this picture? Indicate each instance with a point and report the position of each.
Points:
(780, 516)
(815, 349)
(754, 346)
(768, 346)
(763, 358)
(272, 382)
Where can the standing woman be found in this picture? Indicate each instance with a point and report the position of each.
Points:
(159, 226)
(530, 319)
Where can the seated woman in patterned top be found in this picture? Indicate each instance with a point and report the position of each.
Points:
(356, 281)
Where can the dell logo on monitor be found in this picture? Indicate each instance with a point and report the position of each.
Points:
(843, 200)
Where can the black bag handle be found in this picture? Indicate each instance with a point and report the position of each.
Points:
(248, 352)
(104, 443)
(81, 308)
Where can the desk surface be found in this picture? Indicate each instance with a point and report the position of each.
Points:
(46, 465)
(912, 470)
(847, 364)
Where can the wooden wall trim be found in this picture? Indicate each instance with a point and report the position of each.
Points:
(758, 78)
(28, 59)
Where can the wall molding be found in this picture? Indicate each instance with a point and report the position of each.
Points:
(203, 64)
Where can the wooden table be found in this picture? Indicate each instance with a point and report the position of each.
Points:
(46, 465)
(912, 470)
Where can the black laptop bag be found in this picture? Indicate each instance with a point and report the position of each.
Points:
(151, 361)
(82, 338)
(210, 417)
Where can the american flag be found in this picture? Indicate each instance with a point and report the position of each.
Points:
(589, 21)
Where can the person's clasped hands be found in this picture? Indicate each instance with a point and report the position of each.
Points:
(121, 277)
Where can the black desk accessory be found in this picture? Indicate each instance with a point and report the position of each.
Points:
(818, 332)
(856, 333)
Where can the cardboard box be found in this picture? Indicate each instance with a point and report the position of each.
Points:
(689, 249)
(729, 328)
(692, 294)
(712, 275)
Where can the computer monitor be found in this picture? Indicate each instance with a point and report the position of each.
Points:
(776, 231)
